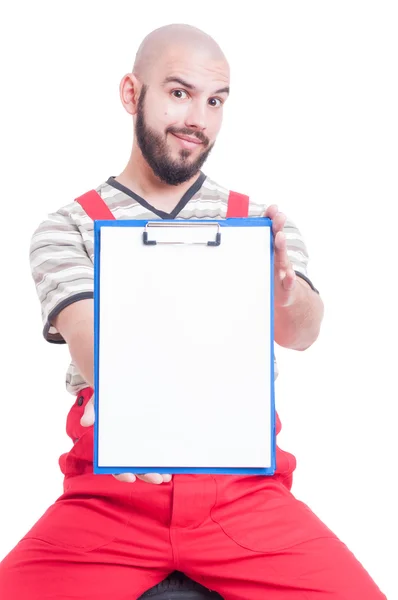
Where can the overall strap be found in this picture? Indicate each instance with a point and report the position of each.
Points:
(94, 206)
(238, 205)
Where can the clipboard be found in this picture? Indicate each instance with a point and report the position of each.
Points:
(184, 347)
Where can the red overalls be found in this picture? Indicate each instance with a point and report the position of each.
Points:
(248, 538)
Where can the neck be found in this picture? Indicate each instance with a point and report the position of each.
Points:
(139, 177)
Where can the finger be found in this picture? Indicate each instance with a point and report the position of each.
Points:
(280, 241)
(89, 415)
(290, 280)
(271, 211)
(281, 257)
(155, 478)
(126, 477)
(278, 222)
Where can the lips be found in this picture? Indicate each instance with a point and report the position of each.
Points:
(187, 138)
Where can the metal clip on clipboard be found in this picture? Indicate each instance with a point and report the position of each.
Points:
(179, 225)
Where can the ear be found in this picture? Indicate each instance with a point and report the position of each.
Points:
(129, 90)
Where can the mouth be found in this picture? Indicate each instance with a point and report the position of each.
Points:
(187, 141)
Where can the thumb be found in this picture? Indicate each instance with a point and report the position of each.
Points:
(89, 415)
(289, 279)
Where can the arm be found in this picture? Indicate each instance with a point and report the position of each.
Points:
(64, 278)
(76, 325)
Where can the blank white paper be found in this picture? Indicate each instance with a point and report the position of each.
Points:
(184, 349)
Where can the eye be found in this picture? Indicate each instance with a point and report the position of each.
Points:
(213, 102)
(179, 94)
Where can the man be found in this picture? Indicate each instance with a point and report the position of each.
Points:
(246, 537)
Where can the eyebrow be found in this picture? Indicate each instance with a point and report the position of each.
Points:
(189, 86)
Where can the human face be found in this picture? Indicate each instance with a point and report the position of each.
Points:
(179, 115)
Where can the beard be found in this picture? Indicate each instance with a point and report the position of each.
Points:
(156, 153)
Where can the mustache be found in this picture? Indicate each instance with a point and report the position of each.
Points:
(186, 131)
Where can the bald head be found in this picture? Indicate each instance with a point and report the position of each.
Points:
(176, 94)
(174, 39)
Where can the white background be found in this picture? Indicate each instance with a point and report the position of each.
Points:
(312, 125)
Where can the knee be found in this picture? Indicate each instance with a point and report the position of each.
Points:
(7, 574)
(12, 579)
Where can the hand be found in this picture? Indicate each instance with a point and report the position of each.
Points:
(284, 276)
(88, 419)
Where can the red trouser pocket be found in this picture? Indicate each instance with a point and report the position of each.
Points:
(275, 519)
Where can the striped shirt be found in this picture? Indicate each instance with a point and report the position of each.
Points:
(62, 247)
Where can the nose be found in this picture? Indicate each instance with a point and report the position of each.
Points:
(195, 117)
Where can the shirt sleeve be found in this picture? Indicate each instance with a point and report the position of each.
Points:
(297, 251)
(61, 269)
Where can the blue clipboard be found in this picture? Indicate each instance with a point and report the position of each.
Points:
(99, 226)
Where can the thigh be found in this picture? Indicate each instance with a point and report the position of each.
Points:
(101, 539)
(322, 569)
(36, 570)
(262, 542)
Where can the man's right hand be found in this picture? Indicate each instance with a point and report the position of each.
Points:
(88, 419)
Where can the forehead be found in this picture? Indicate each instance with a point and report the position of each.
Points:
(198, 66)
